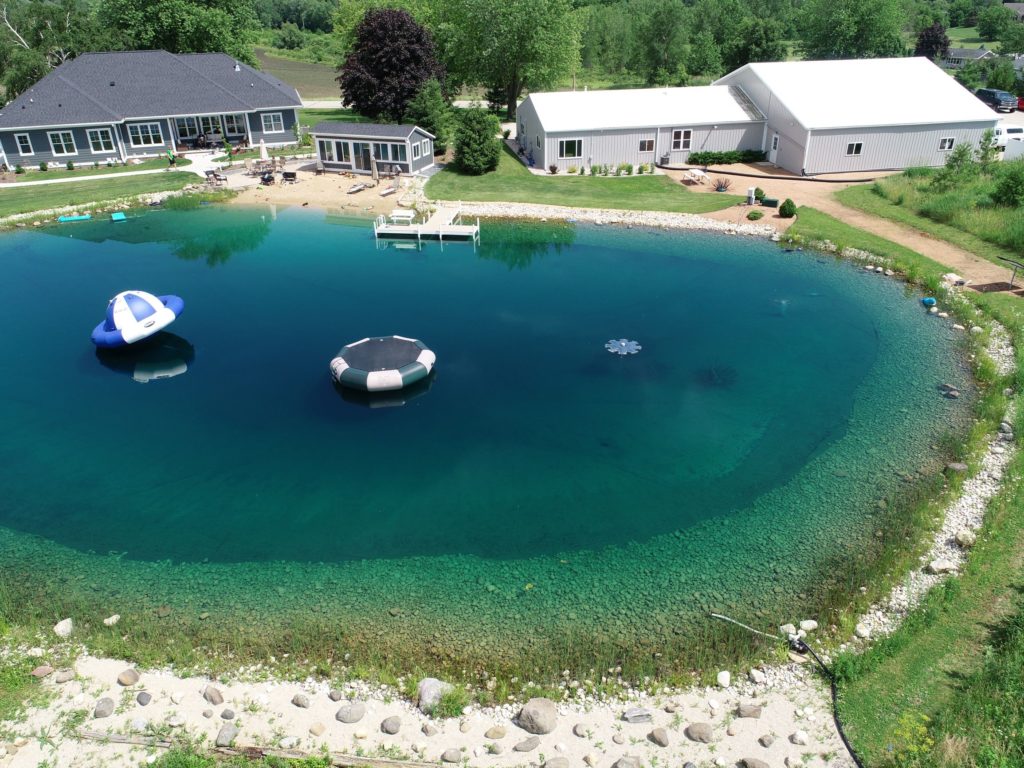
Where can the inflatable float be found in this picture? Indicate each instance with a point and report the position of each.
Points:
(135, 315)
(382, 363)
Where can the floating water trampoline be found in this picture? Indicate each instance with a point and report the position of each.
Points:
(382, 363)
(135, 315)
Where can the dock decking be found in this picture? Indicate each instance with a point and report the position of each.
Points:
(444, 224)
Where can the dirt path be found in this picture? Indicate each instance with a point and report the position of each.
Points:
(976, 270)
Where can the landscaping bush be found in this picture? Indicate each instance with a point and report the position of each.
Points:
(572, 170)
(19, 169)
(553, 169)
(722, 185)
(1009, 189)
(70, 165)
(506, 133)
(758, 194)
(44, 166)
(582, 170)
(726, 158)
(788, 209)
(641, 169)
(595, 169)
(755, 215)
(477, 147)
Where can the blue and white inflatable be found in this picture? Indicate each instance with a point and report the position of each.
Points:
(135, 315)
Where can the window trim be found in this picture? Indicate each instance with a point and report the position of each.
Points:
(53, 149)
(681, 142)
(425, 148)
(189, 121)
(415, 150)
(952, 143)
(562, 147)
(110, 135)
(272, 115)
(646, 141)
(17, 143)
(238, 118)
(137, 145)
(855, 149)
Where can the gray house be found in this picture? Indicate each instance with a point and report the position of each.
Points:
(354, 146)
(957, 58)
(649, 125)
(136, 104)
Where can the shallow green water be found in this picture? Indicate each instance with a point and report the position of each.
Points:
(538, 482)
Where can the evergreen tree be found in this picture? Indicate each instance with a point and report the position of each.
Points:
(429, 110)
(477, 146)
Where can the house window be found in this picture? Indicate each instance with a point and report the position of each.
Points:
(234, 125)
(343, 151)
(569, 149)
(186, 127)
(210, 124)
(24, 144)
(682, 138)
(326, 151)
(946, 144)
(415, 150)
(425, 144)
(646, 145)
(100, 140)
(398, 153)
(145, 134)
(775, 142)
(854, 148)
(273, 122)
(381, 152)
(62, 143)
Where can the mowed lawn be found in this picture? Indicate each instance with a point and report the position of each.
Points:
(46, 196)
(312, 81)
(513, 183)
(60, 171)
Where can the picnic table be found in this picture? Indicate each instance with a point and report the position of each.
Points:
(696, 176)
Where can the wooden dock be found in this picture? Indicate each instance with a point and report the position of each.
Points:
(444, 224)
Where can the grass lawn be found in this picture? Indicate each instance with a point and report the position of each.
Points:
(311, 80)
(512, 183)
(252, 153)
(45, 197)
(866, 198)
(966, 37)
(85, 169)
(934, 661)
(313, 115)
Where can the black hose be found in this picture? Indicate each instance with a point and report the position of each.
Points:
(801, 647)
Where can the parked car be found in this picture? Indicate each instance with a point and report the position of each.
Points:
(997, 99)
(1020, 103)
(1006, 132)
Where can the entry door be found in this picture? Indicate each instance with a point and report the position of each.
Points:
(361, 150)
(774, 150)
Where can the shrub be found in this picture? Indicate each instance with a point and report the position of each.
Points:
(918, 172)
(451, 703)
(640, 169)
(44, 166)
(595, 169)
(722, 185)
(758, 194)
(95, 164)
(788, 209)
(18, 168)
(1009, 189)
(755, 215)
(70, 165)
(477, 148)
(553, 169)
(572, 170)
(506, 133)
(726, 158)
(583, 170)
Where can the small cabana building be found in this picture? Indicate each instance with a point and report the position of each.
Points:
(355, 147)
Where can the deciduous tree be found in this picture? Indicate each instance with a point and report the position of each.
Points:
(993, 21)
(851, 29)
(932, 42)
(391, 60)
(757, 39)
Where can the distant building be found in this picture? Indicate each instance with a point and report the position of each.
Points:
(135, 104)
(1017, 8)
(808, 117)
(956, 58)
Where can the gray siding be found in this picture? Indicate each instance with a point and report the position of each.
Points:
(288, 116)
(793, 136)
(42, 152)
(411, 164)
(148, 150)
(887, 147)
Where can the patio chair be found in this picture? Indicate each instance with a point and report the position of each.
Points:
(213, 177)
(357, 187)
(267, 179)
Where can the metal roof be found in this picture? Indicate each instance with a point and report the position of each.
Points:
(112, 87)
(366, 130)
(566, 111)
(856, 93)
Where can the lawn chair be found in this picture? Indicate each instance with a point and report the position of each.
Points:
(248, 167)
(357, 187)
(267, 178)
(289, 177)
(212, 177)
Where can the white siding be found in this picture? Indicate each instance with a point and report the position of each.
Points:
(792, 136)
(526, 118)
(707, 138)
(887, 147)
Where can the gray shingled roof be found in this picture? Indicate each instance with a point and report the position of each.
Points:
(367, 130)
(968, 53)
(111, 87)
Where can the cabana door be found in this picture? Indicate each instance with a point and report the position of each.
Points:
(361, 155)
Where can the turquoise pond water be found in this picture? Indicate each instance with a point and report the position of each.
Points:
(778, 399)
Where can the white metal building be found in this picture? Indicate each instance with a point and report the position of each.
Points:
(808, 117)
(861, 115)
(650, 125)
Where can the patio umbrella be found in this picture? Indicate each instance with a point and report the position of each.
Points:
(373, 168)
(264, 155)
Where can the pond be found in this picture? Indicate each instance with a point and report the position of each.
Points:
(535, 486)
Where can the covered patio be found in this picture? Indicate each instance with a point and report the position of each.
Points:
(200, 132)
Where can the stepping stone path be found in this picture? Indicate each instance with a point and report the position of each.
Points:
(129, 677)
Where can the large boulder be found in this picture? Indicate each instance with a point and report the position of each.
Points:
(228, 733)
(701, 732)
(351, 713)
(429, 693)
(538, 716)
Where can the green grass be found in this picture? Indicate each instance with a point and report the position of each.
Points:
(291, 150)
(964, 37)
(188, 757)
(865, 198)
(940, 663)
(313, 115)
(58, 171)
(312, 80)
(513, 183)
(72, 193)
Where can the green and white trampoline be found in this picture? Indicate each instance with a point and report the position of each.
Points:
(382, 363)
